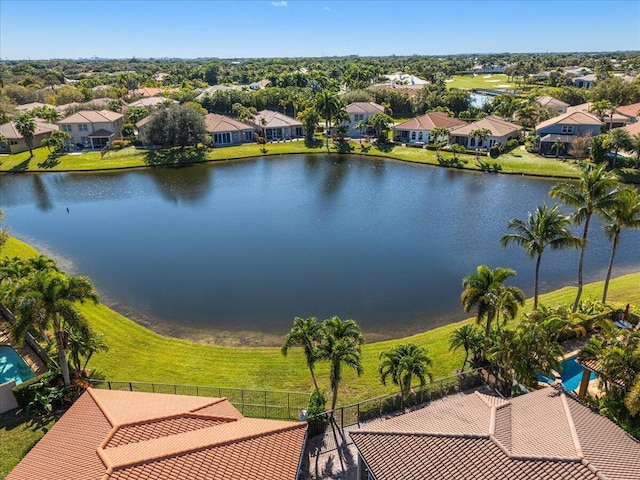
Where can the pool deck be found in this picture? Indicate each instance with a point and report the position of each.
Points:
(30, 357)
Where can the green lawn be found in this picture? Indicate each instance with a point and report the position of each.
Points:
(482, 80)
(518, 161)
(19, 432)
(138, 354)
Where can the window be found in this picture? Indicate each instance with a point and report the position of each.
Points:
(222, 138)
(358, 116)
(13, 142)
(567, 129)
(66, 128)
(473, 142)
(83, 127)
(420, 136)
(413, 135)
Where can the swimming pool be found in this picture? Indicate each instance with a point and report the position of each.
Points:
(571, 374)
(12, 367)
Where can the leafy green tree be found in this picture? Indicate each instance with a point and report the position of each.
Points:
(307, 333)
(616, 140)
(135, 114)
(83, 342)
(380, 122)
(634, 146)
(624, 212)
(175, 126)
(404, 362)
(47, 301)
(56, 141)
(558, 146)
(310, 119)
(47, 113)
(26, 126)
(464, 336)
(546, 228)
(341, 346)
(594, 192)
(485, 291)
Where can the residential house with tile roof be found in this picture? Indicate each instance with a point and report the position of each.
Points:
(122, 435)
(585, 81)
(610, 119)
(501, 132)
(226, 131)
(566, 128)
(92, 128)
(543, 435)
(418, 130)
(15, 141)
(150, 102)
(360, 111)
(554, 106)
(630, 111)
(276, 126)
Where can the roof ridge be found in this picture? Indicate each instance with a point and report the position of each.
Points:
(572, 426)
(101, 406)
(475, 436)
(119, 464)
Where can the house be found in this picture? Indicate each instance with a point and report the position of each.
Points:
(610, 119)
(276, 126)
(227, 131)
(400, 78)
(150, 102)
(500, 132)
(585, 81)
(27, 107)
(566, 128)
(632, 129)
(552, 105)
(543, 435)
(15, 141)
(92, 128)
(264, 83)
(360, 111)
(632, 112)
(418, 130)
(146, 92)
(113, 434)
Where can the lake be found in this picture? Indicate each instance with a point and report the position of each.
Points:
(231, 253)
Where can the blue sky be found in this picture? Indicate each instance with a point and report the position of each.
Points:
(297, 28)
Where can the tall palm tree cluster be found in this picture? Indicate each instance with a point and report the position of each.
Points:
(334, 340)
(43, 299)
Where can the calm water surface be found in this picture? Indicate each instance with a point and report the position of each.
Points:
(236, 250)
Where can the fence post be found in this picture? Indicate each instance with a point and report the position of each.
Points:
(265, 404)
(288, 406)
(358, 413)
(130, 387)
(109, 384)
(242, 397)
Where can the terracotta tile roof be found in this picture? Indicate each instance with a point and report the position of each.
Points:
(618, 117)
(150, 102)
(541, 435)
(577, 117)
(632, 110)
(430, 121)
(275, 120)
(220, 123)
(9, 131)
(633, 129)
(132, 435)
(547, 101)
(499, 127)
(91, 116)
(365, 107)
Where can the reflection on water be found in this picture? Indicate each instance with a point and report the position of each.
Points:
(246, 246)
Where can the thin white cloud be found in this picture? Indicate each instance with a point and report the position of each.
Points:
(326, 9)
(281, 3)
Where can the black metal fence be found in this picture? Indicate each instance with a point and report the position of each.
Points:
(251, 403)
(392, 403)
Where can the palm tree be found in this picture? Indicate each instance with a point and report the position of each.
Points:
(602, 108)
(481, 290)
(507, 300)
(380, 123)
(616, 140)
(634, 146)
(463, 336)
(480, 135)
(306, 333)
(26, 126)
(341, 345)
(558, 146)
(328, 105)
(310, 119)
(546, 228)
(624, 212)
(47, 301)
(361, 125)
(402, 363)
(594, 193)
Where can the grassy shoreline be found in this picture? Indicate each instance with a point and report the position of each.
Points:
(140, 354)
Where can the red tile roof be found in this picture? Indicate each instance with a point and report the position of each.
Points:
(365, 107)
(542, 435)
(632, 110)
(221, 123)
(430, 121)
(499, 127)
(133, 435)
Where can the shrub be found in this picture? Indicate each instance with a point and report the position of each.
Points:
(118, 144)
(23, 392)
(316, 417)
